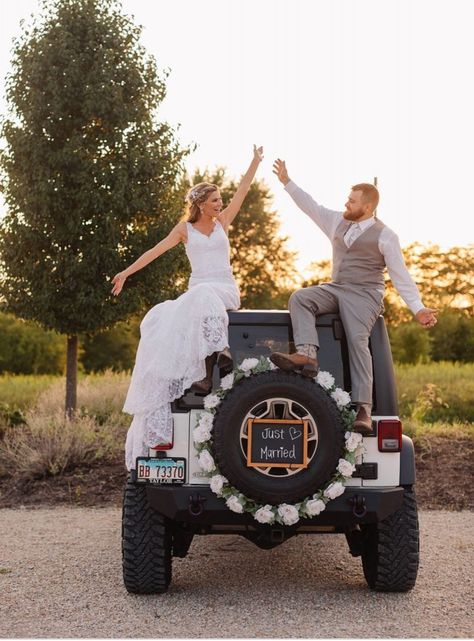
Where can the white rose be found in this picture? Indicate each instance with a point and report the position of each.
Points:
(211, 401)
(217, 483)
(345, 467)
(341, 397)
(359, 453)
(201, 434)
(334, 490)
(315, 507)
(228, 381)
(247, 364)
(206, 462)
(234, 504)
(289, 514)
(205, 419)
(353, 440)
(325, 379)
(265, 514)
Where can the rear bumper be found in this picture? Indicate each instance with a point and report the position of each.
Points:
(198, 505)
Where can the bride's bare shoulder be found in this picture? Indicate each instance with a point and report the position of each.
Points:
(223, 223)
(182, 229)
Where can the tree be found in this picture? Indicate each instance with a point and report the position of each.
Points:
(410, 343)
(25, 348)
(113, 348)
(89, 177)
(453, 337)
(321, 273)
(445, 280)
(263, 266)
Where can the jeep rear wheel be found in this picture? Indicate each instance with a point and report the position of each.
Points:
(282, 396)
(390, 549)
(146, 544)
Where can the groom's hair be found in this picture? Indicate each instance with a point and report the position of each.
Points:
(370, 193)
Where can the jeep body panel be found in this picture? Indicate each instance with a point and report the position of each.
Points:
(259, 333)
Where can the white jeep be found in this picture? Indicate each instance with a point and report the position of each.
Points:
(168, 500)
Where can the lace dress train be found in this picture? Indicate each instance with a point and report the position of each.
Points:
(176, 337)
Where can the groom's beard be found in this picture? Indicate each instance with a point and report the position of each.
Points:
(353, 215)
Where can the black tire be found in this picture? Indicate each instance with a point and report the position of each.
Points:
(146, 544)
(227, 447)
(391, 549)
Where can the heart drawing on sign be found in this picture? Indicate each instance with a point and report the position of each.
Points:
(294, 433)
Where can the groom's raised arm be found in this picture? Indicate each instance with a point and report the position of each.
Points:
(326, 219)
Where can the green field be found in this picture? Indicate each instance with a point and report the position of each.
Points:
(435, 400)
(431, 392)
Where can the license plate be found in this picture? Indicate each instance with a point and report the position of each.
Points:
(161, 470)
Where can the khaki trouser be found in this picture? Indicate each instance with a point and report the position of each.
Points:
(358, 308)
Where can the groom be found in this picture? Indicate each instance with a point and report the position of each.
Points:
(362, 247)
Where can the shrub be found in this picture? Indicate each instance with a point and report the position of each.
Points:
(453, 337)
(410, 343)
(25, 348)
(454, 383)
(47, 446)
(113, 349)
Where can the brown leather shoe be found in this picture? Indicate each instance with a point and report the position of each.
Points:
(363, 422)
(296, 363)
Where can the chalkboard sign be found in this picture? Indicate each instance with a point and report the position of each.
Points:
(277, 443)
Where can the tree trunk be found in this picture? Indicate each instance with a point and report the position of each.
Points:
(71, 376)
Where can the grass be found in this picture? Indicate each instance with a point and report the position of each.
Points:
(435, 392)
(436, 400)
(49, 444)
(456, 431)
(22, 391)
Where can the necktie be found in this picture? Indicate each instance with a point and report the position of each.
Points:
(351, 234)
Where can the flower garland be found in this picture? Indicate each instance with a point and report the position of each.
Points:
(285, 513)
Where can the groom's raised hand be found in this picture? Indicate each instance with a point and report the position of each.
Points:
(279, 169)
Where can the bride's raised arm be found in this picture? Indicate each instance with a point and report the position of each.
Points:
(176, 235)
(232, 209)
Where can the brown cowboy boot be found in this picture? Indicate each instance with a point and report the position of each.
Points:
(363, 422)
(204, 386)
(297, 362)
(225, 362)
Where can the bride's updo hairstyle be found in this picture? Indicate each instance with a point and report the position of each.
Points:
(196, 195)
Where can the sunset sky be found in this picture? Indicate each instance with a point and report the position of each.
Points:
(343, 90)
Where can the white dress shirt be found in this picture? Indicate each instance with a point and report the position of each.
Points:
(328, 220)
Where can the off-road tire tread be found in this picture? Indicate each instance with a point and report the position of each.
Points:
(146, 544)
(393, 565)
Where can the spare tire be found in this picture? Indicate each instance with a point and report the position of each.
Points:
(278, 395)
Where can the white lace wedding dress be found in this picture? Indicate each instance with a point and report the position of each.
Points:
(176, 337)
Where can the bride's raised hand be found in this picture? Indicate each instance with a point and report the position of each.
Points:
(258, 153)
(118, 280)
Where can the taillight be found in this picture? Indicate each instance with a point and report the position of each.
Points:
(389, 435)
(164, 446)
(160, 447)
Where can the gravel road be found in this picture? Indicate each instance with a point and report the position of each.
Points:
(60, 576)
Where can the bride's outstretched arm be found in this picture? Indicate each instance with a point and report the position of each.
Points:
(232, 209)
(177, 234)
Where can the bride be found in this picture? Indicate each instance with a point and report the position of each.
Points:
(182, 339)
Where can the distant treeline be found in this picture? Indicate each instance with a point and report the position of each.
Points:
(445, 279)
(25, 348)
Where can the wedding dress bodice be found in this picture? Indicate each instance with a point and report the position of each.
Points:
(209, 255)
